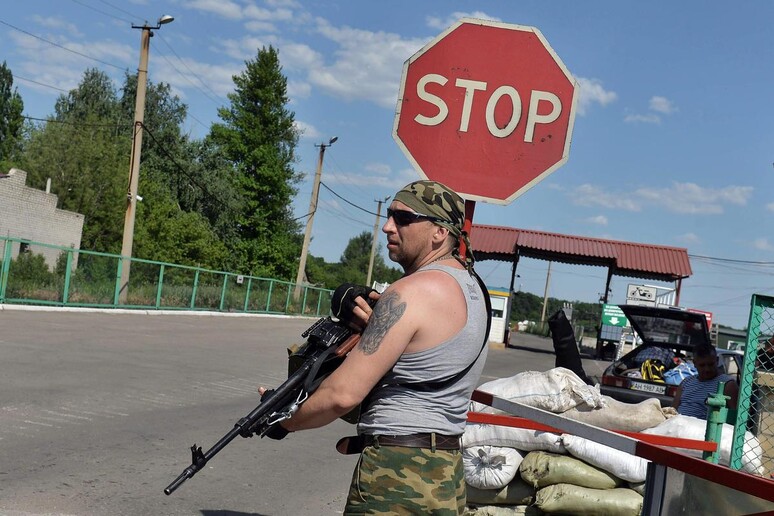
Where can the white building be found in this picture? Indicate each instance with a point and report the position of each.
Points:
(31, 215)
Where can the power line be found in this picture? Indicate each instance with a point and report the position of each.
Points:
(749, 262)
(121, 10)
(180, 168)
(38, 83)
(219, 98)
(347, 201)
(62, 47)
(99, 11)
(78, 124)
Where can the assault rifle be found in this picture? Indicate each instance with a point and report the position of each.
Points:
(328, 343)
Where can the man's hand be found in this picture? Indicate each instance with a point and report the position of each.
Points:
(363, 310)
(351, 304)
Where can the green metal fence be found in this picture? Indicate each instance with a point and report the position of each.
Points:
(43, 274)
(754, 429)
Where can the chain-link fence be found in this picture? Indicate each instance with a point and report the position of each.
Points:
(754, 429)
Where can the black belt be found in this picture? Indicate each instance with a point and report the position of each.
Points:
(433, 441)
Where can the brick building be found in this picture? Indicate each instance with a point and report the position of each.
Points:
(30, 214)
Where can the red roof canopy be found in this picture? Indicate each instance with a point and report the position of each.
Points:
(631, 259)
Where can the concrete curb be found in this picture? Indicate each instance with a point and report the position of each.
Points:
(142, 311)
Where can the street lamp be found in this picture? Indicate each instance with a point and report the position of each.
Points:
(134, 160)
(310, 219)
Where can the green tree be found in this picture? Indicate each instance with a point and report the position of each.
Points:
(353, 265)
(11, 120)
(81, 149)
(182, 191)
(168, 234)
(258, 137)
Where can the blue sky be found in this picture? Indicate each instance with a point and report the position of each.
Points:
(673, 141)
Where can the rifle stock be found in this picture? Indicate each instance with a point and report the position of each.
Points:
(328, 344)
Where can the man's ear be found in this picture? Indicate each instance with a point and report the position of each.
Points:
(441, 234)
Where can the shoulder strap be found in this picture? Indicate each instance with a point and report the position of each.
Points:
(442, 383)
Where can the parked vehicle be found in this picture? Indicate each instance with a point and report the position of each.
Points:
(655, 368)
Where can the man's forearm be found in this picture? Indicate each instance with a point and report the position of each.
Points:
(323, 407)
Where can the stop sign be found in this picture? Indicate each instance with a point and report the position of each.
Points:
(486, 108)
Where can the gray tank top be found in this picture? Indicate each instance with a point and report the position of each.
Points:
(395, 409)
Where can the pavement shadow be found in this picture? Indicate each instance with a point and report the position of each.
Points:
(224, 512)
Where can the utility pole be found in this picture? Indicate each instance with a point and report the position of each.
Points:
(310, 218)
(134, 161)
(545, 295)
(376, 238)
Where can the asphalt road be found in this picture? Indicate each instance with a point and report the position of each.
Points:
(98, 412)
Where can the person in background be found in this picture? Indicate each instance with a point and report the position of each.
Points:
(765, 359)
(694, 390)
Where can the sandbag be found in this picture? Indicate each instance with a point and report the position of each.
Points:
(620, 464)
(616, 415)
(556, 390)
(519, 438)
(688, 427)
(576, 500)
(638, 487)
(517, 492)
(490, 467)
(540, 469)
(514, 510)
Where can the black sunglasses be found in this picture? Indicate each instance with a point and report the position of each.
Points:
(404, 218)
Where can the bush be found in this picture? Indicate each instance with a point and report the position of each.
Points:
(29, 278)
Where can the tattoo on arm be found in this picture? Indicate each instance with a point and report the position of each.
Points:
(386, 313)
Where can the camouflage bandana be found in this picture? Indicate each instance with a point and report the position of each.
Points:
(438, 200)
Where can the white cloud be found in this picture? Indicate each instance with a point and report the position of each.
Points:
(763, 244)
(379, 176)
(646, 119)
(298, 56)
(299, 90)
(444, 23)
(600, 220)
(380, 169)
(592, 92)
(688, 198)
(770, 206)
(365, 64)
(589, 195)
(695, 199)
(689, 238)
(261, 26)
(258, 13)
(218, 78)
(52, 22)
(224, 8)
(662, 105)
(307, 131)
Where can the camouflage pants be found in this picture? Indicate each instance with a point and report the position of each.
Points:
(397, 480)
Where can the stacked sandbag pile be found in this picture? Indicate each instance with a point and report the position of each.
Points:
(516, 470)
(548, 483)
(513, 469)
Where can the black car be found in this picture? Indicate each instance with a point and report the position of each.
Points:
(668, 337)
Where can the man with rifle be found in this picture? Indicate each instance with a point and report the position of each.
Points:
(412, 373)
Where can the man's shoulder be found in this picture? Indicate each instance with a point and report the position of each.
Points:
(429, 285)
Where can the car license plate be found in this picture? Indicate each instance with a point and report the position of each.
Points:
(649, 387)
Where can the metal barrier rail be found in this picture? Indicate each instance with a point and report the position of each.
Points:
(45, 274)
